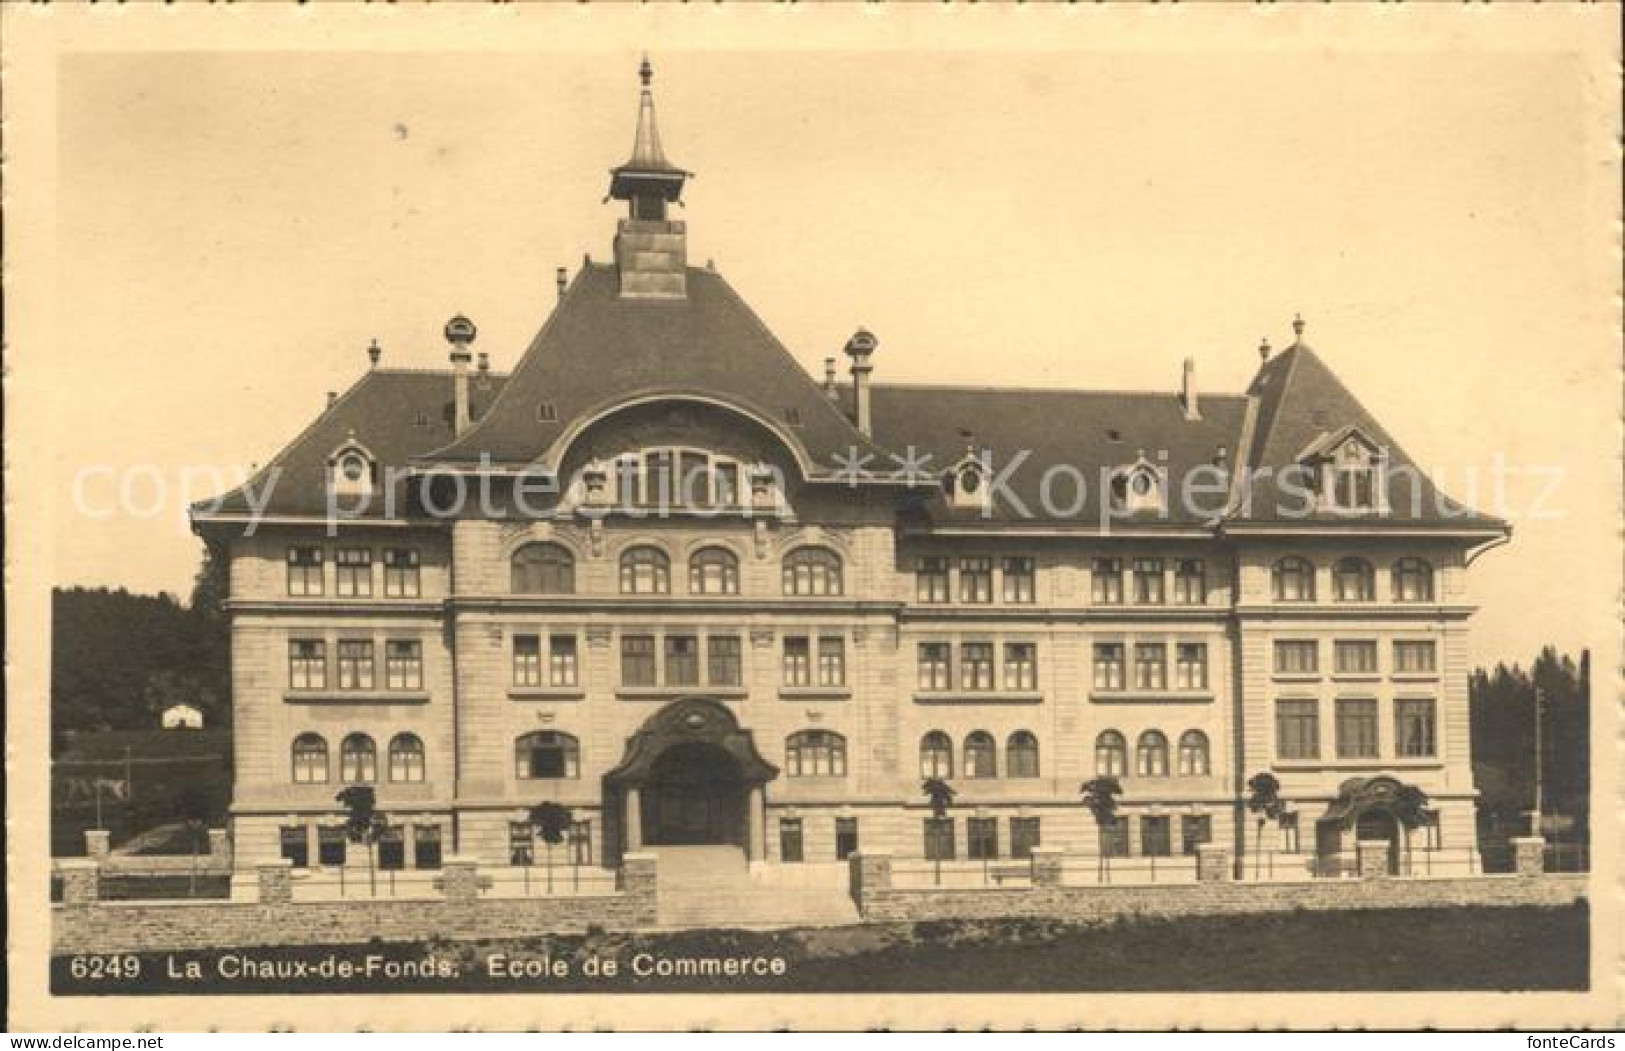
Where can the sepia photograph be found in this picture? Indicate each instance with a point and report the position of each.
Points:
(980, 512)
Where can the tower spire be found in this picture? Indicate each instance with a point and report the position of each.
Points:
(647, 181)
(651, 252)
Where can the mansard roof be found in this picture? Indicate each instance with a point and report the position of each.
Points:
(599, 349)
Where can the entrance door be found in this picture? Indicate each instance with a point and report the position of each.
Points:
(695, 796)
(1380, 825)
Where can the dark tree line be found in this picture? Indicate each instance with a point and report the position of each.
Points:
(119, 659)
(1503, 737)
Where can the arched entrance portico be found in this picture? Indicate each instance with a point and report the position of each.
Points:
(690, 775)
(1365, 810)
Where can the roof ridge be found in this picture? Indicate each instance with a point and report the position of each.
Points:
(1027, 389)
(411, 370)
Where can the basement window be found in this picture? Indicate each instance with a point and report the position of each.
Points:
(792, 417)
(546, 412)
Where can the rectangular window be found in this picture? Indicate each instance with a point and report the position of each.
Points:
(939, 839)
(1024, 836)
(392, 849)
(1297, 656)
(976, 666)
(1020, 580)
(1148, 582)
(931, 579)
(831, 660)
(1194, 830)
(790, 845)
(982, 837)
(1356, 657)
(1114, 837)
(723, 661)
(1108, 666)
(1190, 582)
(797, 661)
(1415, 657)
(1190, 665)
(1150, 666)
(1356, 728)
(521, 843)
(682, 660)
(1289, 833)
(295, 845)
(1021, 666)
(1414, 728)
(352, 567)
(527, 660)
(1297, 729)
(403, 664)
(1156, 835)
(355, 664)
(307, 664)
(561, 661)
(1106, 582)
(426, 851)
(1432, 830)
(846, 837)
(726, 480)
(401, 578)
(304, 571)
(976, 580)
(581, 842)
(330, 846)
(934, 671)
(638, 661)
(693, 480)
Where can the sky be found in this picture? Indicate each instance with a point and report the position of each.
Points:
(233, 229)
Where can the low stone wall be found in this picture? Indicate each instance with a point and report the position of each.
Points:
(1097, 904)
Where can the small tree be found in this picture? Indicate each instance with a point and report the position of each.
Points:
(193, 808)
(1100, 798)
(940, 796)
(1263, 799)
(363, 824)
(550, 821)
(1410, 809)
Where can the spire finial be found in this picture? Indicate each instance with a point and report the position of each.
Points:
(1297, 326)
(1264, 349)
(646, 72)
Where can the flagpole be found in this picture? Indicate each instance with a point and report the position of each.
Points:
(1535, 818)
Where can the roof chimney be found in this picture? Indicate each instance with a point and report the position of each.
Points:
(460, 333)
(563, 280)
(859, 348)
(829, 379)
(332, 398)
(484, 362)
(374, 352)
(1193, 410)
(1264, 349)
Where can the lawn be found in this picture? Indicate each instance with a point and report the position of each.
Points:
(1403, 949)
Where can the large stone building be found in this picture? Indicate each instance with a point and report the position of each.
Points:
(662, 576)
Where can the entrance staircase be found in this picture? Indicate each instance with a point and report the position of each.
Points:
(713, 887)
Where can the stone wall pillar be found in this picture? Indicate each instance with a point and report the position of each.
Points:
(633, 821)
(1046, 863)
(98, 843)
(81, 881)
(1528, 855)
(220, 847)
(756, 835)
(640, 882)
(460, 877)
(870, 874)
(1212, 863)
(276, 881)
(1373, 858)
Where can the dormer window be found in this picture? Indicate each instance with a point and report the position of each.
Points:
(966, 482)
(1137, 487)
(1348, 471)
(351, 470)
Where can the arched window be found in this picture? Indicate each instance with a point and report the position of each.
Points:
(815, 753)
(358, 760)
(1151, 755)
(547, 756)
(713, 571)
(406, 758)
(981, 755)
(309, 760)
(812, 571)
(1353, 580)
(936, 755)
(543, 569)
(1021, 755)
(1111, 754)
(645, 571)
(1413, 580)
(1193, 754)
(1294, 580)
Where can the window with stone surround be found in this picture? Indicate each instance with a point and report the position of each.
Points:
(1190, 666)
(976, 579)
(682, 660)
(981, 755)
(1156, 835)
(1151, 754)
(797, 661)
(713, 571)
(1020, 580)
(1108, 666)
(1356, 728)
(937, 755)
(1194, 760)
(403, 664)
(812, 571)
(934, 670)
(792, 850)
(562, 663)
(1114, 836)
(1025, 834)
(1194, 830)
(1148, 582)
(1021, 755)
(723, 660)
(1297, 656)
(1190, 582)
(1293, 580)
(426, 851)
(304, 571)
(352, 569)
(358, 760)
(645, 570)
(309, 760)
(294, 844)
(1021, 666)
(831, 661)
(976, 666)
(1150, 666)
(1415, 657)
(982, 837)
(542, 569)
(355, 664)
(638, 663)
(1353, 580)
(939, 839)
(931, 579)
(1297, 729)
(1106, 582)
(1111, 754)
(402, 577)
(815, 753)
(1414, 728)
(1355, 656)
(406, 763)
(307, 664)
(547, 755)
(1413, 580)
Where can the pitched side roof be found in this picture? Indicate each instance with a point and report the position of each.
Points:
(1095, 433)
(396, 414)
(598, 349)
(1300, 403)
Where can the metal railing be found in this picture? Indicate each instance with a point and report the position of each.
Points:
(542, 881)
(1084, 870)
(961, 873)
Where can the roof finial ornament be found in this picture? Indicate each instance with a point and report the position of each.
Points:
(646, 72)
(1264, 349)
(1297, 328)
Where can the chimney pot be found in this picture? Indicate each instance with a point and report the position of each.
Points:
(1188, 395)
(374, 352)
(485, 362)
(1264, 349)
(829, 377)
(332, 398)
(460, 333)
(562, 277)
(859, 348)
